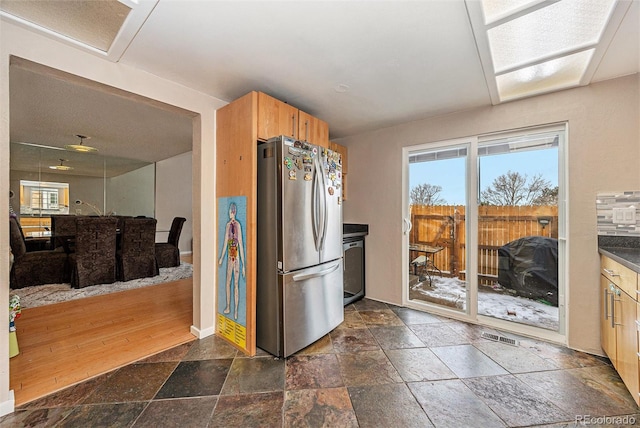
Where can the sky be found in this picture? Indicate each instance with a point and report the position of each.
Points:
(450, 173)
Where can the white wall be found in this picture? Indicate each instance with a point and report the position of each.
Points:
(604, 154)
(25, 44)
(173, 176)
(132, 193)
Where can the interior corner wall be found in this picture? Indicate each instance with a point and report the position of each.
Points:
(173, 176)
(603, 155)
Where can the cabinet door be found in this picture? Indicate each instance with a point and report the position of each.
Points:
(627, 344)
(313, 130)
(607, 329)
(343, 154)
(276, 118)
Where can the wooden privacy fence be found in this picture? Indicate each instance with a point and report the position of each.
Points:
(445, 226)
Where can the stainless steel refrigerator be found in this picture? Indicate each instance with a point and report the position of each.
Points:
(299, 245)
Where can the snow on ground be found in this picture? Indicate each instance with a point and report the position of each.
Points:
(452, 292)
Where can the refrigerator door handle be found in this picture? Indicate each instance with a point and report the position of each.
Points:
(314, 208)
(305, 276)
(324, 206)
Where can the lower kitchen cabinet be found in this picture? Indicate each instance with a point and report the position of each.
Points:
(619, 324)
(627, 343)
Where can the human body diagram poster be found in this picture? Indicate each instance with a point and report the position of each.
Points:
(232, 282)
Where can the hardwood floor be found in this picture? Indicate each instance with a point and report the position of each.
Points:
(66, 343)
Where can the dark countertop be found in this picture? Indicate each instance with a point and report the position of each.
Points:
(624, 250)
(350, 230)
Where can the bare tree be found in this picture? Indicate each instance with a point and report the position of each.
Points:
(514, 188)
(549, 197)
(426, 194)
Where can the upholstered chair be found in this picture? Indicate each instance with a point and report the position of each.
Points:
(35, 267)
(33, 244)
(136, 255)
(168, 253)
(94, 259)
(63, 232)
(121, 219)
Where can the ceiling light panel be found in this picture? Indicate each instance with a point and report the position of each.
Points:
(544, 77)
(562, 27)
(498, 9)
(95, 23)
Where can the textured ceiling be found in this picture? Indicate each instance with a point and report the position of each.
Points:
(359, 65)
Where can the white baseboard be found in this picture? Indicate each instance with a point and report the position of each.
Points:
(201, 334)
(9, 405)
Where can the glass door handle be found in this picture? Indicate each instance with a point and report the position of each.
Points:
(408, 225)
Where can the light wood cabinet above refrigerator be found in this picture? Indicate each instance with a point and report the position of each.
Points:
(279, 118)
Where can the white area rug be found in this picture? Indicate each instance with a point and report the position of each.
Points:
(39, 295)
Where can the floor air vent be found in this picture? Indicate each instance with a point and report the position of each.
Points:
(499, 338)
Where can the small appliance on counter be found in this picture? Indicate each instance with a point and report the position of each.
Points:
(299, 245)
(353, 247)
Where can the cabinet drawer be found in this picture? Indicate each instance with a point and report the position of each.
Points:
(623, 277)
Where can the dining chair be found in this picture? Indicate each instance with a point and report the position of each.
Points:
(31, 243)
(136, 255)
(168, 253)
(34, 267)
(63, 232)
(94, 259)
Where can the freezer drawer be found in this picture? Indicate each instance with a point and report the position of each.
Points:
(312, 304)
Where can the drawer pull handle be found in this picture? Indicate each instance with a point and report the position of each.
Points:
(610, 272)
(613, 309)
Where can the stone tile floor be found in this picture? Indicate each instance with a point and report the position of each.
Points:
(385, 366)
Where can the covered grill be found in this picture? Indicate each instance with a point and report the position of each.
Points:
(529, 266)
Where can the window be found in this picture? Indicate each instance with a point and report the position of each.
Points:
(43, 198)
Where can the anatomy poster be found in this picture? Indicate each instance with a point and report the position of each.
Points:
(232, 270)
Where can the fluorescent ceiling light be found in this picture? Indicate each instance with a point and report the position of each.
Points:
(95, 23)
(548, 76)
(495, 10)
(566, 26)
(102, 27)
(529, 47)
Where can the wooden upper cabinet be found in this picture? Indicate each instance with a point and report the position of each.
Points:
(343, 154)
(313, 130)
(276, 118)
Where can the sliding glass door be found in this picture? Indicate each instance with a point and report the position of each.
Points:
(518, 228)
(437, 239)
(485, 229)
